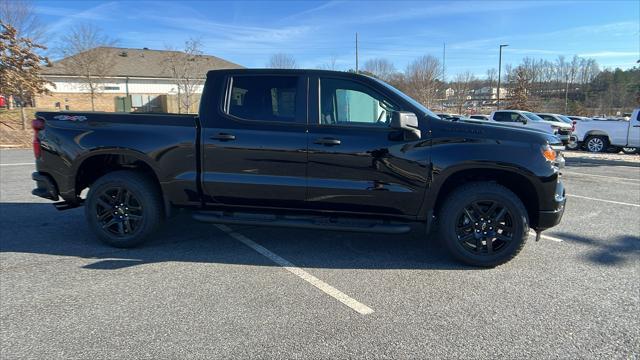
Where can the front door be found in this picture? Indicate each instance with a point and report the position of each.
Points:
(357, 163)
(255, 147)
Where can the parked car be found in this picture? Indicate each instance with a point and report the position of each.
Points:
(558, 118)
(529, 119)
(480, 117)
(450, 117)
(305, 148)
(580, 118)
(599, 136)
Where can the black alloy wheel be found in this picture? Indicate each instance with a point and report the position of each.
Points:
(483, 224)
(119, 211)
(124, 207)
(484, 227)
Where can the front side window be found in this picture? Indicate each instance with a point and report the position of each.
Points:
(264, 98)
(344, 102)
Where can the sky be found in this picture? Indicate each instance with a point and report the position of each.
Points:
(318, 33)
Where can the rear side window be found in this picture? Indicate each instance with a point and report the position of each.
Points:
(264, 98)
(502, 116)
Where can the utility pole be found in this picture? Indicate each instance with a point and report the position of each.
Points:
(499, 72)
(444, 48)
(356, 53)
(444, 77)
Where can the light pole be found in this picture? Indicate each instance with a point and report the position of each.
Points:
(499, 73)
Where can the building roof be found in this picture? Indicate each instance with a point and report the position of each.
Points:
(141, 63)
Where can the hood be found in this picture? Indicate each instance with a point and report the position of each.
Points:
(558, 124)
(492, 130)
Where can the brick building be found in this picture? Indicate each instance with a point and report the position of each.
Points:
(138, 80)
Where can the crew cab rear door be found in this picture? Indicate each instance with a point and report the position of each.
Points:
(357, 163)
(254, 143)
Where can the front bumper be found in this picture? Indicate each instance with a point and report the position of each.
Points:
(551, 218)
(45, 186)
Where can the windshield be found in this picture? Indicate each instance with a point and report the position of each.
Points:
(566, 119)
(409, 99)
(532, 116)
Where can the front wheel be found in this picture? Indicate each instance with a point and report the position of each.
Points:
(123, 208)
(484, 224)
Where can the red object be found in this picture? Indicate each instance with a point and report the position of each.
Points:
(3, 101)
(37, 125)
(573, 126)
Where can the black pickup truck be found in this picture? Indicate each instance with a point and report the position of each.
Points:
(305, 148)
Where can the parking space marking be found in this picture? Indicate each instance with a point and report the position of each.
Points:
(18, 164)
(602, 176)
(287, 265)
(607, 201)
(547, 237)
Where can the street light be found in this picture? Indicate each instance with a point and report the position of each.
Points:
(499, 72)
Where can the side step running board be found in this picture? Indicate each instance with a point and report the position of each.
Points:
(304, 222)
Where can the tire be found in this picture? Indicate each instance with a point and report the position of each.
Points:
(494, 249)
(596, 144)
(573, 145)
(123, 208)
(630, 150)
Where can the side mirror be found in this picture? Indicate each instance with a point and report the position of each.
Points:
(407, 121)
(522, 119)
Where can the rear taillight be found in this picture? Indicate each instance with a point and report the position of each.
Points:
(37, 125)
(573, 126)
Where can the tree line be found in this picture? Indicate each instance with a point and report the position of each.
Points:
(576, 85)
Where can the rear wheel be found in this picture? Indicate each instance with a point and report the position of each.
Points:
(597, 144)
(484, 224)
(123, 208)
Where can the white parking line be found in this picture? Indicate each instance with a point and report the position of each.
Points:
(547, 237)
(607, 201)
(326, 288)
(18, 164)
(601, 176)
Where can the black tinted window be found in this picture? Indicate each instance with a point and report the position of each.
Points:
(501, 116)
(266, 98)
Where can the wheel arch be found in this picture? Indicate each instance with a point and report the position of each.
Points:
(98, 163)
(517, 182)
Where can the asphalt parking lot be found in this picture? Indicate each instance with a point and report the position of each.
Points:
(201, 291)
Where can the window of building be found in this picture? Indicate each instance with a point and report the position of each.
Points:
(264, 98)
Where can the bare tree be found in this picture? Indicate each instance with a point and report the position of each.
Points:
(462, 88)
(332, 64)
(492, 76)
(21, 16)
(381, 68)
(421, 78)
(282, 61)
(83, 58)
(20, 67)
(520, 86)
(184, 68)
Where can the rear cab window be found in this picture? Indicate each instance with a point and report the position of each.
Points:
(266, 98)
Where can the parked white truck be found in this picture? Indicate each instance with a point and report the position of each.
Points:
(600, 135)
(528, 119)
